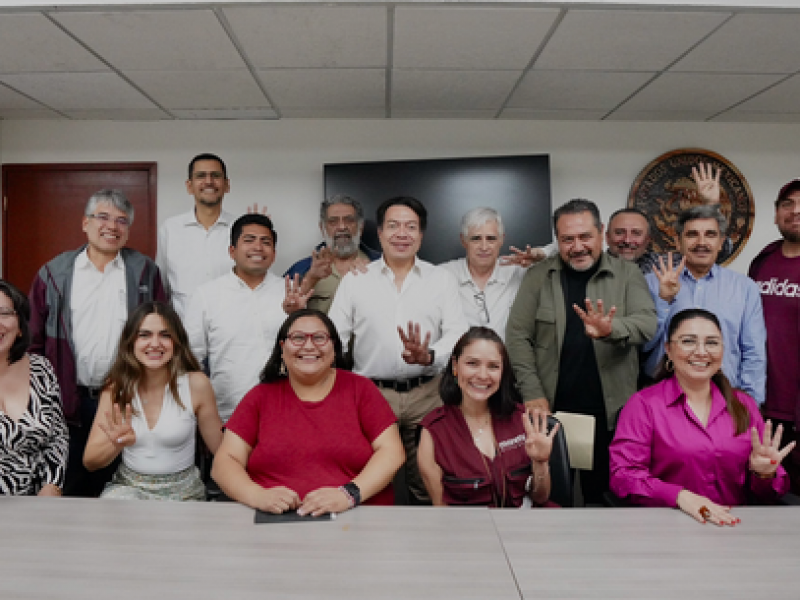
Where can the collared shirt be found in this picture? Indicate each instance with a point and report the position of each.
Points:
(369, 307)
(736, 302)
(235, 328)
(660, 447)
(190, 255)
(325, 289)
(99, 311)
(488, 307)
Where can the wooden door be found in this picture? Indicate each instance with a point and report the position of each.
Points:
(43, 209)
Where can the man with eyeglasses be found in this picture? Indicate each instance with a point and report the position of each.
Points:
(80, 301)
(405, 316)
(698, 282)
(341, 221)
(487, 282)
(193, 246)
(233, 320)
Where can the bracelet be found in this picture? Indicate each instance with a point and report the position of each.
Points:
(353, 493)
(760, 476)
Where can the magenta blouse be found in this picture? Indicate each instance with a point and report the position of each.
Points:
(660, 447)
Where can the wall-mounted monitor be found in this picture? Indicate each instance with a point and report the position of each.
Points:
(518, 187)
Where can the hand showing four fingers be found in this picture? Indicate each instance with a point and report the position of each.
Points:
(766, 455)
(707, 183)
(669, 277)
(538, 443)
(118, 426)
(415, 347)
(295, 298)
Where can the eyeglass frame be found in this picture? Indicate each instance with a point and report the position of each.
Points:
(306, 337)
(106, 218)
(480, 300)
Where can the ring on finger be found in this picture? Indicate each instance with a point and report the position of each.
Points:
(705, 513)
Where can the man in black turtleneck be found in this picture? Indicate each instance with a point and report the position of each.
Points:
(574, 329)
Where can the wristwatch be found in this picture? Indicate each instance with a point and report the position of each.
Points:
(352, 490)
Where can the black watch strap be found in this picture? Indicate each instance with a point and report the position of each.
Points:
(354, 492)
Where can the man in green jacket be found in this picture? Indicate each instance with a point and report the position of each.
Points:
(574, 331)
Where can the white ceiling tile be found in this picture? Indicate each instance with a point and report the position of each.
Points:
(624, 40)
(575, 90)
(166, 40)
(333, 113)
(79, 91)
(448, 37)
(311, 36)
(784, 97)
(10, 99)
(451, 90)
(210, 89)
(13, 114)
(117, 114)
(443, 114)
(697, 92)
(32, 43)
(227, 114)
(749, 43)
(325, 88)
(659, 115)
(552, 115)
(736, 116)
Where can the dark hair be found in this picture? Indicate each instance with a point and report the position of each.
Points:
(207, 156)
(577, 206)
(407, 201)
(789, 188)
(504, 401)
(23, 309)
(630, 210)
(127, 371)
(252, 219)
(272, 370)
(737, 410)
(704, 211)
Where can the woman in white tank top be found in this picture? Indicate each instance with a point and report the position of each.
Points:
(155, 397)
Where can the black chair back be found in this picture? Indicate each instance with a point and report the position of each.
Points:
(561, 475)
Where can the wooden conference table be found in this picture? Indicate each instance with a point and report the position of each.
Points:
(113, 549)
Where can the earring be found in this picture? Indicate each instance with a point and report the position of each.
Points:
(282, 370)
(669, 365)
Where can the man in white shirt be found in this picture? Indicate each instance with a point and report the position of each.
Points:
(488, 283)
(405, 315)
(80, 301)
(193, 246)
(233, 320)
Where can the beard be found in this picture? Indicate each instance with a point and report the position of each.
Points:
(793, 237)
(343, 246)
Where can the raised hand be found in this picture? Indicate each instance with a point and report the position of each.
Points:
(252, 210)
(321, 265)
(295, 298)
(766, 455)
(415, 348)
(118, 426)
(596, 322)
(702, 509)
(707, 183)
(523, 258)
(277, 500)
(669, 277)
(359, 266)
(324, 500)
(538, 443)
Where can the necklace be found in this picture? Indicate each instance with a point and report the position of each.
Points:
(480, 426)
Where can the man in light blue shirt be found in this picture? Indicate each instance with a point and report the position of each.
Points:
(698, 282)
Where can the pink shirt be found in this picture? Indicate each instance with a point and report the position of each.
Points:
(660, 447)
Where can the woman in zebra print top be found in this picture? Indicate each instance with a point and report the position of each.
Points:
(33, 434)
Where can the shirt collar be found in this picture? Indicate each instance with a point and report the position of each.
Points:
(499, 275)
(223, 220)
(82, 261)
(238, 282)
(384, 268)
(710, 275)
(674, 394)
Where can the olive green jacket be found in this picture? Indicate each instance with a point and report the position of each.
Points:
(536, 325)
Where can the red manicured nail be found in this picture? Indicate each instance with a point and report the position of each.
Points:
(773, 462)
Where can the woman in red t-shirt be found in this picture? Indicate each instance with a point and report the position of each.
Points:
(311, 436)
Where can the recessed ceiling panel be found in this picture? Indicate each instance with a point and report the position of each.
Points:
(227, 114)
(749, 43)
(210, 89)
(583, 90)
(32, 43)
(660, 115)
(311, 36)
(552, 115)
(451, 90)
(115, 114)
(10, 99)
(450, 37)
(325, 88)
(168, 40)
(443, 114)
(738, 116)
(784, 97)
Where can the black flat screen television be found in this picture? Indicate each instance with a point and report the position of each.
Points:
(518, 187)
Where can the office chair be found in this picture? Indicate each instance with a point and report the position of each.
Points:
(561, 475)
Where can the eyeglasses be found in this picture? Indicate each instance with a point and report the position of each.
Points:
(7, 313)
(480, 300)
(106, 219)
(318, 338)
(691, 343)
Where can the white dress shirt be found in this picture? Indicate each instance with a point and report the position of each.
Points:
(189, 255)
(235, 328)
(99, 311)
(369, 307)
(497, 297)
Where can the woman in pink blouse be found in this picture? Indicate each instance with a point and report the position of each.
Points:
(691, 440)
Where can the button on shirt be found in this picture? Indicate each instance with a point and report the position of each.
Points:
(189, 255)
(235, 328)
(660, 447)
(736, 302)
(369, 307)
(99, 311)
(498, 295)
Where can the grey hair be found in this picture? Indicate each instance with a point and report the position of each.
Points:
(577, 206)
(115, 198)
(703, 211)
(477, 217)
(340, 199)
